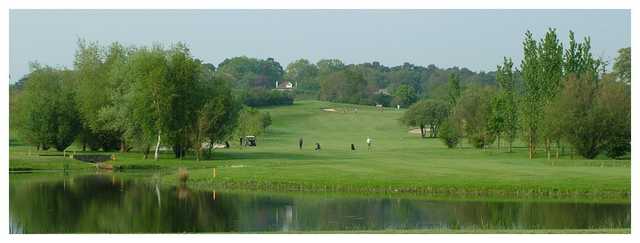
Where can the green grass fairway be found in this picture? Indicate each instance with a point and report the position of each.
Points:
(399, 161)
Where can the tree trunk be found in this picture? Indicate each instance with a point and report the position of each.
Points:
(557, 149)
(530, 145)
(510, 146)
(155, 157)
(498, 142)
(547, 147)
(571, 152)
(422, 132)
(123, 147)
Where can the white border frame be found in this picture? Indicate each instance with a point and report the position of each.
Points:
(300, 4)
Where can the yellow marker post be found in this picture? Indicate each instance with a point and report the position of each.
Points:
(214, 172)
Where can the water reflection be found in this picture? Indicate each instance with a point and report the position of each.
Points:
(106, 204)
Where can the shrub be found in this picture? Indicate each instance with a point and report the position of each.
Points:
(261, 97)
(449, 134)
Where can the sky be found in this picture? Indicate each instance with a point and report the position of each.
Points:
(475, 39)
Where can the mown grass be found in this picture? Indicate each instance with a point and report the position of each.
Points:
(473, 231)
(400, 162)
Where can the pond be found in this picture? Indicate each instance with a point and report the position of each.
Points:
(111, 203)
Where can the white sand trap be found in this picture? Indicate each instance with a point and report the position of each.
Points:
(417, 130)
(329, 110)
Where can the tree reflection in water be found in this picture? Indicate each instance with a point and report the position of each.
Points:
(106, 204)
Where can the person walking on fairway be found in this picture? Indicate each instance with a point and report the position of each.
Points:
(300, 142)
(369, 143)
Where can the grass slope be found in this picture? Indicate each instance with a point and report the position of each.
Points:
(399, 161)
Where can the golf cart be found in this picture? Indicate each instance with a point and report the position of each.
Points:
(250, 141)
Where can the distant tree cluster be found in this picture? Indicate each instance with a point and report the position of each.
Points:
(262, 97)
(128, 97)
(373, 83)
(559, 98)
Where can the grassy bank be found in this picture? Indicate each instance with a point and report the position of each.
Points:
(399, 162)
(480, 231)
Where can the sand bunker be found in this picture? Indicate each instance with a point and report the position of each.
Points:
(329, 109)
(417, 131)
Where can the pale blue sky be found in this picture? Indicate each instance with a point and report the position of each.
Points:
(476, 39)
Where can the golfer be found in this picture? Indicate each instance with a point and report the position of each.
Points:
(300, 142)
(369, 143)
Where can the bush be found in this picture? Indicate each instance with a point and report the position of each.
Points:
(382, 99)
(261, 97)
(449, 135)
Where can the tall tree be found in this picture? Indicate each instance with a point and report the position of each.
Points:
(508, 109)
(622, 65)
(153, 93)
(454, 89)
(217, 118)
(182, 75)
(550, 54)
(532, 94)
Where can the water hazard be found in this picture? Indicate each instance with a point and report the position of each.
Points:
(110, 204)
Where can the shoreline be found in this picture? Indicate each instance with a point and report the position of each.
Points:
(168, 178)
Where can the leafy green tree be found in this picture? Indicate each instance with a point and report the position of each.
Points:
(329, 66)
(251, 73)
(506, 107)
(407, 75)
(590, 115)
(404, 95)
(498, 120)
(614, 104)
(346, 86)
(450, 133)
(251, 122)
(454, 89)
(474, 111)
(550, 63)
(47, 114)
(182, 75)
(217, 118)
(622, 65)
(303, 73)
(426, 113)
(153, 94)
(92, 73)
(532, 94)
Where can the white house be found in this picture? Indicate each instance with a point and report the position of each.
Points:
(285, 85)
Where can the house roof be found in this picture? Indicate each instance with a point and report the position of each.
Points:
(284, 84)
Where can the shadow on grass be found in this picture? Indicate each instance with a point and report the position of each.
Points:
(242, 155)
(14, 142)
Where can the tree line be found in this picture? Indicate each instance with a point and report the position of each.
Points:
(119, 97)
(559, 98)
(368, 83)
